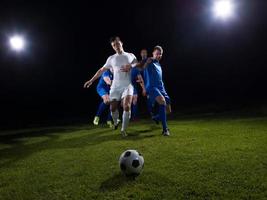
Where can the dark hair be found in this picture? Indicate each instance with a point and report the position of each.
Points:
(158, 48)
(112, 39)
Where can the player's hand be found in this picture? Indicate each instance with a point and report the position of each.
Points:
(144, 93)
(149, 60)
(87, 84)
(126, 68)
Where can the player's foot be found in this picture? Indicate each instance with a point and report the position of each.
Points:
(123, 133)
(96, 120)
(115, 127)
(155, 118)
(166, 132)
(109, 123)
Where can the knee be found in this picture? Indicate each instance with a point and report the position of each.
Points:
(127, 107)
(162, 101)
(113, 108)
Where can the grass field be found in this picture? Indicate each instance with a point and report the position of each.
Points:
(205, 158)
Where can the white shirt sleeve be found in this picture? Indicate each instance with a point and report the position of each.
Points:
(132, 57)
(108, 63)
(133, 60)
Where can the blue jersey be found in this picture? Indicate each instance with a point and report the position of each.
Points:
(101, 82)
(134, 76)
(153, 75)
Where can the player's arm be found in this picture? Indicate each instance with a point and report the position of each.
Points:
(142, 84)
(87, 84)
(128, 67)
(144, 63)
(107, 80)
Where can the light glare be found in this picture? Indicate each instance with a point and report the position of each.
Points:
(223, 9)
(17, 43)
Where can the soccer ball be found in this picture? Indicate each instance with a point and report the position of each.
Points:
(131, 163)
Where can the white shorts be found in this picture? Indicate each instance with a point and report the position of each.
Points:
(118, 93)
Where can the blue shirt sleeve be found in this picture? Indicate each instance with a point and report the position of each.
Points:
(106, 73)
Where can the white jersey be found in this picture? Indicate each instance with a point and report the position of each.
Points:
(115, 62)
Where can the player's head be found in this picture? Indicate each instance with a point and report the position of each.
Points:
(116, 44)
(143, 53)
(157, 52)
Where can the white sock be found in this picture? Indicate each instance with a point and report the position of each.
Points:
(115, 117)
(125, 120)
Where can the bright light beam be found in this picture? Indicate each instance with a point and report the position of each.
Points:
(223, 9)
(17, 43)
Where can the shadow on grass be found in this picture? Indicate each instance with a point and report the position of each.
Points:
(118, 181)
(19, 150)
(115, 182)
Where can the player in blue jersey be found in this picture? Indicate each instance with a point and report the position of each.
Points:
(155, 86)
(136, 79)
(146, 83)
(103, 88)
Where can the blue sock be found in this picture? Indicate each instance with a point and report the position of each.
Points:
(134, 111)
(149, 106)
(109, 116)
(162, 115)
(102, 106)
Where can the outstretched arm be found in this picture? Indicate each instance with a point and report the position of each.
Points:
(143, 64)
(127, 67)
(142, 84)
(87, 84)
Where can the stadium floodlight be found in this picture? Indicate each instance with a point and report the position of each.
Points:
(17, 43)
(223, 9)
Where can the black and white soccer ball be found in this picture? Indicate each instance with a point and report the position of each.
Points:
(131, 163)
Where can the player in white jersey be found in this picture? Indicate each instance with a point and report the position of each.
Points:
(121, 88)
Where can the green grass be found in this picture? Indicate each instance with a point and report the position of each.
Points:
(204, 158)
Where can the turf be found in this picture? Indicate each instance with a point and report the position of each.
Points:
(208, 158)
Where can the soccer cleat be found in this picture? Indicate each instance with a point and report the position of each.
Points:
(109, 123)
(116, 125)
(166, 132)
(123, 133)
(96, 120)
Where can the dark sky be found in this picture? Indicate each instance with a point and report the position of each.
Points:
(205, 61)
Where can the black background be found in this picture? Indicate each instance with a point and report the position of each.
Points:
(206, 61)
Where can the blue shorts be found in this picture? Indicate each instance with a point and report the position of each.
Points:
(154, 92)
(102, 91)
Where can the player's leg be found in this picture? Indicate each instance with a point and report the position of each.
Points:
(103, 105)
(107, 102)
(160, 99)
(114, 96)
(127, 101)
(134, 109)
(149, 106)
(162, 114)
(127, 97)
(114, 112)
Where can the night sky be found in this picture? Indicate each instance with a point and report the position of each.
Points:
(205, 61)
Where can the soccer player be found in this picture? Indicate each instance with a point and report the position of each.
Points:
(156, 90)
(121, 89)
(136, 79)
(103, 88)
